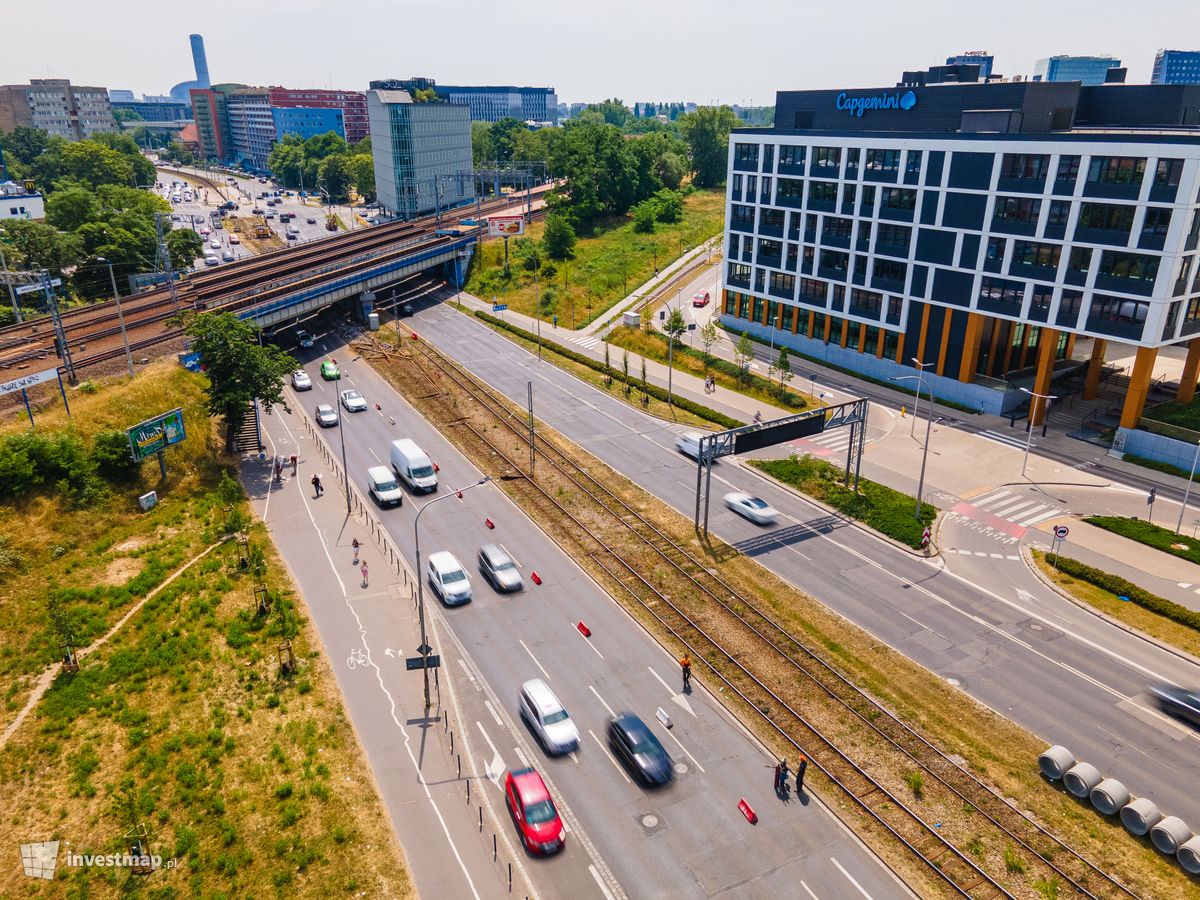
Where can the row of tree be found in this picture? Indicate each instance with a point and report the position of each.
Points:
(324, 162)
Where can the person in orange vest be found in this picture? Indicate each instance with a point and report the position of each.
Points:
(685, 663)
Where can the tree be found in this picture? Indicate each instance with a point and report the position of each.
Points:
(362, 173)
(94, 163)
(743, 352)
(668, 206)
(286, 160)
(124, 116)
(783, 366)
(558, 240)
(597, 164)
(614, 112)
(706, 132)
(424, 95)
(184, 246)
(708, 336)
(503, 137)
(481, 143)
(68, 209)
(320, 146)
(177, 152)
(643, 217)
(40, 246)
(334, 176)
(675, 325)
(238, 369)
(24, 143)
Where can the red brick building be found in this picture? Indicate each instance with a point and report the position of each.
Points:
(353, 105)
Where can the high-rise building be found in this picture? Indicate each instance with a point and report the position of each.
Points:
(55, 105)
(353, 106)
(422, 153)
(210, 110)
(978, 228)
(980, 58)
(1084, 69)
(307, 121)
(251, 127)
(536, 105)
(1176, 67)
(200, 63)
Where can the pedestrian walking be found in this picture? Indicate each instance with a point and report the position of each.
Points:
(316, 483)
(757, 417)
(783, 779)
(278, 469)
(685, 663)
(355, 545)
(800, 767)
(778, 772)
(295, 465)
(556, 321)
(364, 573)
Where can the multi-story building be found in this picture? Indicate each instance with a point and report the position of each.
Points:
(55, 105)
(356, 125)
(156, 112)
(251, 127)
(976, 229)
(1084, 69)
(18, 202)
(538, 105)
(1176, 67)
(211, 114)
(980, 58)
(422, 153)
(307, 121)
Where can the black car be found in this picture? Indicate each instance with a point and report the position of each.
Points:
(639, 750)
(1175, 701)
(404, 310)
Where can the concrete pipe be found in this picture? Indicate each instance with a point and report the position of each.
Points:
(1140, 816)
(1055, 762)
(1109, 796)
(1169, 834)
(1081, 778)
(1189, 855)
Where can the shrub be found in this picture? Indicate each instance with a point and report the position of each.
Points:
(111, 455)
(670, 205)
(1119, 587)
(644, 215)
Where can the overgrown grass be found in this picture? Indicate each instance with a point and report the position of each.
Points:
(653, 345)
(606, 267)
(886, 510)
(1155, 464)
(1151, 535)
(1182, 415)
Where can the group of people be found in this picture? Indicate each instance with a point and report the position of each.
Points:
(710, 384)
(781, 776)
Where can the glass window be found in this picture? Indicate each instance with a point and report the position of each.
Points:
(895, 308)
(1116, 309)
(1017, 209)
(1029, 253)
(883, 160)
(849, 193)
(1080, 261)
(771, 218)
(769, 158)
(812, 289)
(1024, 165)
(1157, 221)
(743, 215)
(832, 259)
(751, 186)
(739, 272)
(791, 156)
(860, 266)
(899, 198)
(852, 162)
(995, 249)
(791, 188)
(837, 228)
(1043, 295)
(737, 183)
(1167, 172)
(745, 152)
(1106, 216)
(890, 269)
(766, 190)
(1068, 168)
(1010, 294)
(769, 248)
(1116, 169)
(827, 156)
(1136, 266)
(891, 235)
(823, 191)
(912, 165)
(1060, 211)
(782, 283)
(1070, 304)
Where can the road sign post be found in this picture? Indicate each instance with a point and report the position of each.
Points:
(1060, 535)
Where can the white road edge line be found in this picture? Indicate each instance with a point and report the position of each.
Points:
(516, 562)
(602, 701)
(575, 629)
(671, 735)
(660, 681)
(600, 883)
(611, 758)
(495, 715)
(808, 890)
(850, 878)
(531, 656)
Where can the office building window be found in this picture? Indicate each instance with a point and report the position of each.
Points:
(1039, 305)
(809, 253)
(1017, 209)
(827, 156)
(1167, 172)
(889, 235)
(751, 186)
(1060, 211)
(852, 162)
(1080, 261)
(895, 308)
(890, 269)
(769, 248)
(771, 218)
(883, 160)
(1116, 309)
(899, 198)
(912, 165)
(832, 259)
(1002, 296)
(849, 193)
(1135, 266)
(791, 156)
(769, 158)
(1106, 217)
(745, 153)
(823, 191)
(791, 188)
(739, 273)
(1028, 253)
(743, 215)
(995, 249)
(860, 267)
(1157, 221)
(1068, 168)
(814, 290)
(1069, 305)
(737, 183)
(837, 228)
(1116, 169)
(766, 190)
(1024, 165)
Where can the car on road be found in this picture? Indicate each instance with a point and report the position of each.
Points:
(175, 217)
(329, 370)
(499, 569)
(211, 260)
(301, 381)
(326, 415)
(701, 299)
(689, 444)
(448, 578)
(1178, 702)
(755, 509)
(548, 718)
(270, 214)
(303, 338)
(215, 243)
(199, 220)
(404, 310)
(234, 239)
(205, 231)
(635, 745)
(383, 486)
(228, 256)
(292, 236)
(311, 221)
(257, 211)
(354, 401)
(532, 809)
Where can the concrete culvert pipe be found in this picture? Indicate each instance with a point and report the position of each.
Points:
(1169, 834)
(1055, 762)
(1081, 778)
(1140, 815)
(1189, 855)
(1109, 796)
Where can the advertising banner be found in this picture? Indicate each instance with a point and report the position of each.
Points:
(147, 438)
(506, 226)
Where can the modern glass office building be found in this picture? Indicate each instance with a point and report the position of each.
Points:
(975, 228)
(1176, 67)
(1084, 69)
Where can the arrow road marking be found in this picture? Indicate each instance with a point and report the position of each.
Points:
(679, 699)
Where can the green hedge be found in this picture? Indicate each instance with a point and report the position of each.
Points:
(1149, 534)
(658, 393)
(886, 510)
(1155, 465)
(1119, 587)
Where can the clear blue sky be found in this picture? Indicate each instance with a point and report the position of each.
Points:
(701, 50)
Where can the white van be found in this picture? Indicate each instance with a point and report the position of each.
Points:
(548, 718)
(413, 466)
(383, 487)
(449, 579)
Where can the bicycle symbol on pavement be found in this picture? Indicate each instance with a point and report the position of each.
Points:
(357, 659)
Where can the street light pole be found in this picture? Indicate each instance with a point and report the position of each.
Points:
(120, 315)
(928, 427)
(912, 428)
(1032, 412)
(419, 577)
(1187, 493)
(342, 436)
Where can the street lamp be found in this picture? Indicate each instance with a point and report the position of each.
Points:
(342, 435)
(421, 581)
(928, 425)
(1032, 412)
(921, 368)
(120, 315)
(1186, 493)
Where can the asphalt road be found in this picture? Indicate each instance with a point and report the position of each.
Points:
(1028, 654)
(685, 840)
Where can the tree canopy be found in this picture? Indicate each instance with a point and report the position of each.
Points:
(706, 132)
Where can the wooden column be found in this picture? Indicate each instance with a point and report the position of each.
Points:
(971, 347)
(944, 346)
(1041, 381)
(1070, 344)
(901, 341)
(879, 342)
(862, 336)
(795, 319)
(997, 329)
(1139, 387)
(1009, 346)
(1091, 382)
(924, 333)
(845, 333)
(1191, 370)
(811, 316)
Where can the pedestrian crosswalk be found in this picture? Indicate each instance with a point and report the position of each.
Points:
(1011, 509)
(1008, 440)
(835, 441)
(988, 555)
(587, 342)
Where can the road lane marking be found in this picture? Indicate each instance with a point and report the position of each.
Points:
(467, 672)
(575, 628)
(808, 890)
(660, 681)
(521, 757)
(685, 750)
(511, 556)
(600, 883)
(479, 725)
(534, 658)
(850, 878)
(374, 454)
(601, 699)
(492, 710)
(612, 759)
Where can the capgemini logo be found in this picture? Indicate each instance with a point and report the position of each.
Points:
(856, 106)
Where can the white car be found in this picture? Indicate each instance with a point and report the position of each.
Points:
(689, 444)
(301, 381)
(448, 578)
(353, 401)
(548, 718)
(753, 508)
(215, 243)
(326, 416)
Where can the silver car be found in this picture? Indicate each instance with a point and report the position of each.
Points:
(353, 401)
(755, 509)
(548, 718)
(301, 381)
(326, 416)
(499, 569)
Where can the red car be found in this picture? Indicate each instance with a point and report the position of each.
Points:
(701, 299)
(532, 809)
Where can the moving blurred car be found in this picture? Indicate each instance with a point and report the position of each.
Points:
(330, 371)
(234, 239)
(499, 569)
(532, 809)
(1177, 702)
(448, 578)
(211, 260)
(354, 401)
(689, 444)
(701, 299)
(326, 416)
(755, 509)
(637, 747)
(548, 718)
(301, 381)
(311, 221)
(228, 256)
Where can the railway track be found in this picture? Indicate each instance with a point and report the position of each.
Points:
(731, 634)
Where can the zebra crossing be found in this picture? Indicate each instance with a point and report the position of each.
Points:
(587, 342)
(836, 440)
(1000, 438)
(1009, 510)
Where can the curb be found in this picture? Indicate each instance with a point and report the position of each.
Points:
(1027, 558)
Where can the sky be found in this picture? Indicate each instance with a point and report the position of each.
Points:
(731, 51)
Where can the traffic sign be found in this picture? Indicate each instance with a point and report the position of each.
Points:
(423, 662)
(30, 288)
(499, 307)
(424, 649)
(1061, 531)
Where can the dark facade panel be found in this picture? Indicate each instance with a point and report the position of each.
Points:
(971, 170)
(933, 167)
(1139, 104)
(934, 246)
(929, 205)
(952, 287)
(964, 211)
(919, 276)
(970, 251)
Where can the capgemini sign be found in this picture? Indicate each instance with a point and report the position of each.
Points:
(856, 106)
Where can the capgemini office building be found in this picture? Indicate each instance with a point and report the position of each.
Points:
(976, 228)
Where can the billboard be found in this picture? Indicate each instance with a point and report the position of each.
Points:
(28, 381)
(505, 226)
(149, 437)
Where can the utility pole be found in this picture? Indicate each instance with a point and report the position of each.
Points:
(164, 258)
(12, 294)
(532, 451)
(59, 331)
